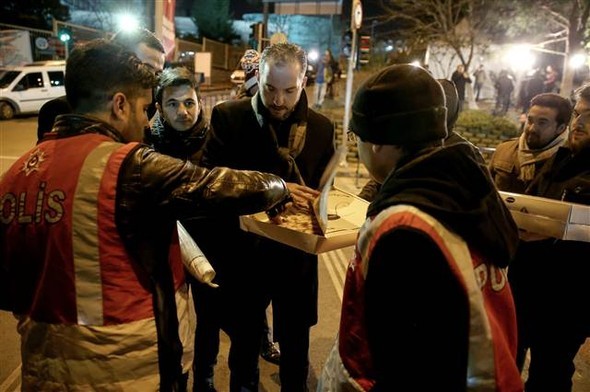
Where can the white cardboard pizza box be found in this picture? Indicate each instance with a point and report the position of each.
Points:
(344, 212)
(338, 214)
(548, 217)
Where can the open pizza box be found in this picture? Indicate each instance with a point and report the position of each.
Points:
(332, 223)
(548, 217)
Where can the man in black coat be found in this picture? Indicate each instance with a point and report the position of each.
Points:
(274, 132)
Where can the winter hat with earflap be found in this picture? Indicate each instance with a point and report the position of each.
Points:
(452, 102)
(401, 104)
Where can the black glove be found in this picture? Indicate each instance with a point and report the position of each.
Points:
(279, 207)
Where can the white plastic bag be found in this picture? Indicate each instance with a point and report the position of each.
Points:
(193, 258)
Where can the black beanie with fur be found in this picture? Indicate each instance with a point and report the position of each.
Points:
(401, 104)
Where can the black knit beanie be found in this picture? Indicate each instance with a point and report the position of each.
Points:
(401, 104)
(452, 102)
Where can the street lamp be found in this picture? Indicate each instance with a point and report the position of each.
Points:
(127, 22)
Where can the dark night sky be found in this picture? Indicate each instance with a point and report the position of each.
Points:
(240, 7)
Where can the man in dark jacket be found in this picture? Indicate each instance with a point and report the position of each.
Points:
(550, 277)
(179, 127)
(276, 132)
(428, 273)
(94, 274)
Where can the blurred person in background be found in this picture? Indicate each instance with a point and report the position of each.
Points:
(324, 77)
(460, 77)
(480, 75)
(249, 63)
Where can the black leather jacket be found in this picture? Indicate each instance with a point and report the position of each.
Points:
(153, 191)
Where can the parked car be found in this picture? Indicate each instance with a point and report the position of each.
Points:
(26, 88)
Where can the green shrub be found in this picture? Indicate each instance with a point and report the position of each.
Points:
(481, 122)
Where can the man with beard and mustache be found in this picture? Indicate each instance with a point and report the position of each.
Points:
(549, 276)
(515, 162)
(275, 132)
(428, 274)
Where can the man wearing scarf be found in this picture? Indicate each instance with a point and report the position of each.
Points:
(275, 132)
(178, 128)
(515, 162)
(550, 276)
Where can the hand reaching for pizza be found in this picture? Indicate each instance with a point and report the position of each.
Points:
(302, 195)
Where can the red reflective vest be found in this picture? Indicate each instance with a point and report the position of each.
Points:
(492, 340)
(84, 304)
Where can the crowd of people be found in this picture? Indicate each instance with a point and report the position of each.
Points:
(91, 263)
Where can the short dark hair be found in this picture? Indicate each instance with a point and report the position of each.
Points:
(172, 77)
(131, 38)
(98, 69)
(583, 92)
(555, 101)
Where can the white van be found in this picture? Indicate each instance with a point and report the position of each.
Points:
(25, 89)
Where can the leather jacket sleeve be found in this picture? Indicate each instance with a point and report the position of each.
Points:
(188, 190)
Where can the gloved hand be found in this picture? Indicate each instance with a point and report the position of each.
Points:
(275, 212)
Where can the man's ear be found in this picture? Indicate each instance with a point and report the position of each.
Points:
(385, 149)
(120, 106)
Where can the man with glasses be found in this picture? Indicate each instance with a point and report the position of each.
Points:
(515, 162)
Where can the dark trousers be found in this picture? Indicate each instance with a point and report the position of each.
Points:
(294, 365)
(291, 282)
(225, 309)
(206, 334)
(548, 282)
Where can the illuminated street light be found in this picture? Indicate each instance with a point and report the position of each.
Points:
(520, 57)
(577, 60)
(313, 55)
(127, 22)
